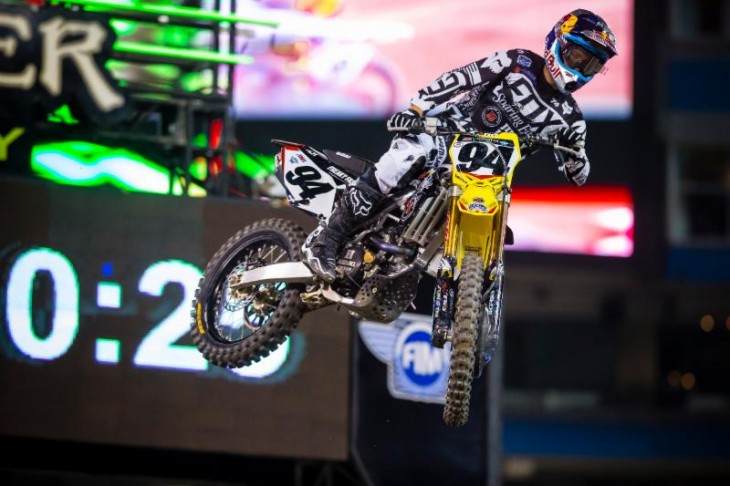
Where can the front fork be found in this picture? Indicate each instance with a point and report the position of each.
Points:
(444, 297)
(444, 293)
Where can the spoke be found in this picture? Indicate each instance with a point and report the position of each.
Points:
(281, 255)
(239, 314)
(271, 250)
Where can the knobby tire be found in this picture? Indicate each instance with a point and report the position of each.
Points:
(285, 318)
(464, 341)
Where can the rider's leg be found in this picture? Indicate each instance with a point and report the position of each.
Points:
(403, 160)
(356, 204)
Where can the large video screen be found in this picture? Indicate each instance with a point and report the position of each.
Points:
(366, 58)
(593, 220)
(95, 297)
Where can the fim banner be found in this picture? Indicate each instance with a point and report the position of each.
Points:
(417, 371)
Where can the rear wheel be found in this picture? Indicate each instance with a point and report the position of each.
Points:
(464, 340)
(234, 327)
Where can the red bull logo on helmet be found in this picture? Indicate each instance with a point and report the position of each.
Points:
(604, 38)
(568, 24)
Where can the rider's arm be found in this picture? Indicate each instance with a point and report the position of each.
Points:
(462, 79)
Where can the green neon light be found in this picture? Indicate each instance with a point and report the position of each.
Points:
(173, 35)
(88, 164)
(176, 52)
(200, 140)
(170, 11)
(123, 27)
(162, 72)
(255, 166)
(63, 115)
(193, 82)
(161, 75)
(167, 35)
(199, 169)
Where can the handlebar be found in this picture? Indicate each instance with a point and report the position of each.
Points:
(432, 126)
(550, 142)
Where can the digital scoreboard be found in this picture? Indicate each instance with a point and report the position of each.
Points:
(95, 295)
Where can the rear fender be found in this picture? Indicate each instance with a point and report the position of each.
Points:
(309, 185)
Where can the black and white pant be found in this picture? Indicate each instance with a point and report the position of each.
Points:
(406, 158)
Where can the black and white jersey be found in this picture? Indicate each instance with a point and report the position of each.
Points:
(505, 92)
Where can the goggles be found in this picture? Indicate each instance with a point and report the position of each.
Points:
(581, 59)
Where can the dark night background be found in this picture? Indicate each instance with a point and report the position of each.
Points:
(616, 370)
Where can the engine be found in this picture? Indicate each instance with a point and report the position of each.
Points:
(427, 218)
(381, 264)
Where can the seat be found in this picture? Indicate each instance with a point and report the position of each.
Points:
(354, 165)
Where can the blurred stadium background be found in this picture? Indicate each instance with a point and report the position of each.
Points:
(615, 366)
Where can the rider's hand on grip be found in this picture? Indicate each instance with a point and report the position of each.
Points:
(403, 121)
(456, 125)
(576, 167)
(577, 170)
(567, 137)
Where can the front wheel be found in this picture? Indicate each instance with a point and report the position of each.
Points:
(234, 327)
(464, 340)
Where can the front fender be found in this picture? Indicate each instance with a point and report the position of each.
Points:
(478, 208)
(478, 201)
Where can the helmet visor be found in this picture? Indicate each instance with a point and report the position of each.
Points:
(580, 59)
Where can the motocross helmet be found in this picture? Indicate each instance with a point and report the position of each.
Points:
(577, 48)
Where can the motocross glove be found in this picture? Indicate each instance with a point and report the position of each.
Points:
(576, 169)
(567, 137)
(403, 120)
(456, 125)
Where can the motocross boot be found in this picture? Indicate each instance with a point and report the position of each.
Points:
(322, 246)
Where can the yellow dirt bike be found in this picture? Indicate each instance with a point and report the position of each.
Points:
(450, 224)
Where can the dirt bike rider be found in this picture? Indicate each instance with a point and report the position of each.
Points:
(510, 91)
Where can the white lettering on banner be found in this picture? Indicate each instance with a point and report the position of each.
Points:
(423, 358)
(8, 46)
(81, 53)
(38, 49)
